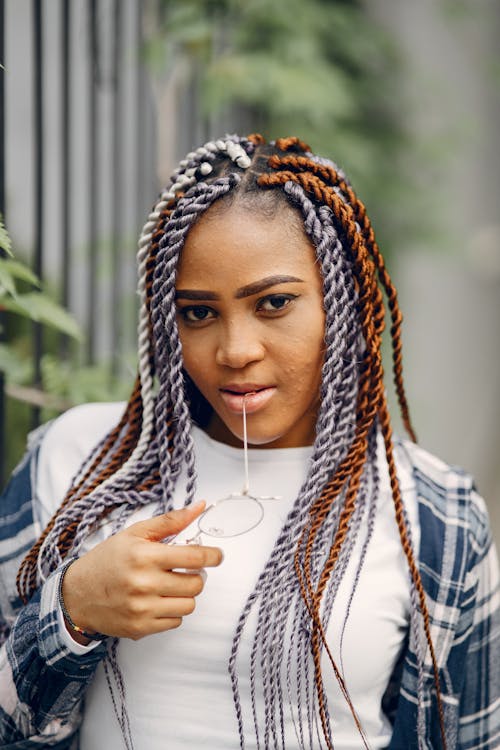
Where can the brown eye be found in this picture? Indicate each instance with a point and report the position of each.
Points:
(275, 302)
(196, 313)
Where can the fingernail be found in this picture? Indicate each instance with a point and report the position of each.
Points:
(196, 505)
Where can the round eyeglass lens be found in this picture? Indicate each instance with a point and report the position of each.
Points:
(231, 516)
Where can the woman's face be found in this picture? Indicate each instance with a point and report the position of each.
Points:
(251, 320)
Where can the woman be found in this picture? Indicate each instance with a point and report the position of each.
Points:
(356, 605)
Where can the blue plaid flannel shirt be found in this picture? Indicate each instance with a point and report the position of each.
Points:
(42, 683)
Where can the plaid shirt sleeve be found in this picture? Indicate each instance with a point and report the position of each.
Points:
(478, 645)
(459, 569)
(42, 681)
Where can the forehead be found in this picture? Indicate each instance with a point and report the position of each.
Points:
(233, 243)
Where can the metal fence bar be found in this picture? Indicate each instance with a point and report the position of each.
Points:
(39, 165)
(117, 190)
(93, 223)
(2, 212)
(140, 112)
(65, 162)
(110, 187)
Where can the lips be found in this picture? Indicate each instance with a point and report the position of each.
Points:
(253, 395)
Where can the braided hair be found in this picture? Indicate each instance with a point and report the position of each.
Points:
(139, 462)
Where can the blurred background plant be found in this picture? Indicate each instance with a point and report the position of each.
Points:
(23, 302)
(322, 68)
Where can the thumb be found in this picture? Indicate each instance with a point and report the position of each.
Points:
(157, 528)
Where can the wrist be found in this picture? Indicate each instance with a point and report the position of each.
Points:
(80, 634)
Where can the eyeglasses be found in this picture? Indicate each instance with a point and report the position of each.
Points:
(236, 514)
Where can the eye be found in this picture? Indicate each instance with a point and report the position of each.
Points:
(196, 313)
(275, 303)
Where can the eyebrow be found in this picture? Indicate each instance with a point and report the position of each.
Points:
(244, 291)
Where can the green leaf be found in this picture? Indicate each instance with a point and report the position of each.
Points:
(15, 367)
(40, 308)
(5, 241)
(17, 270)
(7, 283)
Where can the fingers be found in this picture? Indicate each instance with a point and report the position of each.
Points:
(133, 584)
(176, 556)
(143, 554)
(142, 612)
(181, 584)
(189, 556)
(172, 607)
(172, 584)
(157, 528)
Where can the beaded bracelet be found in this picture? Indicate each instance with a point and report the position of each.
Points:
(75, 628)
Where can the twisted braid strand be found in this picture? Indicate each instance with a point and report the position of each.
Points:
(331, 175)
(364, 262)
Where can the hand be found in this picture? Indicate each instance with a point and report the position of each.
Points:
(129, 585)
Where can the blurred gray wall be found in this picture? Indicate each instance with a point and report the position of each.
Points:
(450, 286)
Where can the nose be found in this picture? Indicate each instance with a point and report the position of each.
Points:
(239, 345)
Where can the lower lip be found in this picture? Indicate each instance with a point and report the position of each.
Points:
(254, 400)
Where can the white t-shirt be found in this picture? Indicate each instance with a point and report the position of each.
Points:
(177, 683)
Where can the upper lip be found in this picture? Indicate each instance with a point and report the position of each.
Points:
(243, 387)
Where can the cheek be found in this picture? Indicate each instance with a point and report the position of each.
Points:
(302, 360)
(195, 354)
(305, 345)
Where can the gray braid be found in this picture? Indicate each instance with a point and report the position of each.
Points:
(278, 575)
(169, 359)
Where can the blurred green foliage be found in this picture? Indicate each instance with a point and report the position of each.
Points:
(37, 305)
(64, 381)
(322, 70)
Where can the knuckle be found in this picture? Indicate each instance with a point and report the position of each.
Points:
(135, 556)
(138, 584)
(136, 608)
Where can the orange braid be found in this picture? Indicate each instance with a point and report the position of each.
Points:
(331, 176)
(407, 548)
(130, 439)
(256, 138)
(125, 449)
(292, 143)
(371, 403)
(353, 466)
(131, 421)
(29, 565)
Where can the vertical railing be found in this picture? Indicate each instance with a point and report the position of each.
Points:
(140, 128)
(91, 156)
(116, 199)
(94, 205)
(66, 183)
(2, 212)
(39, 163)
